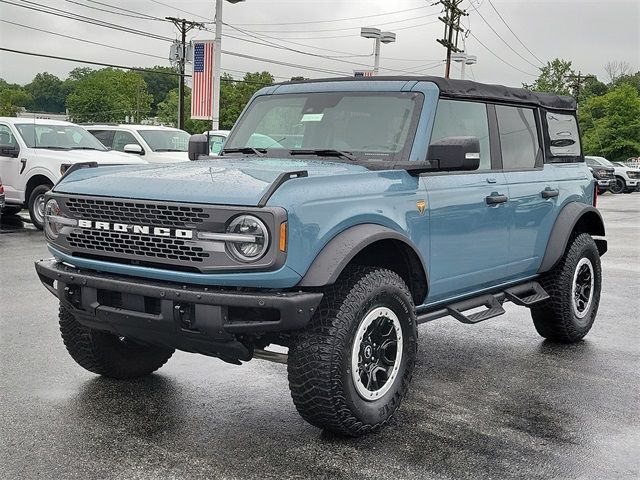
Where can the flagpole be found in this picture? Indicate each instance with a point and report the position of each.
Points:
(215, 90)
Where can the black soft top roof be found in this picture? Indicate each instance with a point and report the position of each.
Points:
(474, 90)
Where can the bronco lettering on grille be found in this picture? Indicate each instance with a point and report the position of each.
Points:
(138, 229)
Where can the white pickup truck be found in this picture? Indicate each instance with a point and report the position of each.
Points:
(35, 153)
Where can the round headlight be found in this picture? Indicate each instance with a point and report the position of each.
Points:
(252, 240)
(52, 228)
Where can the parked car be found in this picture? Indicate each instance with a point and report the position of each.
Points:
(216, 140)
(604, 176)
(625, 180)
(155, 144)
(635, 173)
(412, 199)
(34, 154)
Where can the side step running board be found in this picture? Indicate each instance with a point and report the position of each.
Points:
(526, 295)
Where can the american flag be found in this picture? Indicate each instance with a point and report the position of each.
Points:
(202, 84)
(363, 73)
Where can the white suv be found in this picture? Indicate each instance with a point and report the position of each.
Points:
(627, 179)
(34, 154)
(155, 144)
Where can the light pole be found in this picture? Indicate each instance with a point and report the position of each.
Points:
(217, 54)
(464, 59)
(379, 37)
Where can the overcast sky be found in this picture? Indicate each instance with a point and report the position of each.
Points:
(589, 33)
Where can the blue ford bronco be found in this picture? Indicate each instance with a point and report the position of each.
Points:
(341, 214)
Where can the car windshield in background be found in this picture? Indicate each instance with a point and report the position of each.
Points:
(58, 137)
(166, 140)
(601, 161)
(344, 124)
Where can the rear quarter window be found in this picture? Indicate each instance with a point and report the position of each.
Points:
(564, 138)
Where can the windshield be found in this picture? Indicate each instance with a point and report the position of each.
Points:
(599, 161)
(166, 140)
(357, 125)
(58, 137)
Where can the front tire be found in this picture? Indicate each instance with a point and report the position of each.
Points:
(574, 288)
(619, 186)
(36, 205)
(351, 367)
(107, 354)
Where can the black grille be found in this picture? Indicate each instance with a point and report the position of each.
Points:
(604, 174)
(633, 174)
(176, 216)
(151, 247)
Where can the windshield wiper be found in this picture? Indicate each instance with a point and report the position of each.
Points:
(325, 152)
(168, 150)
(256, 151)
(52, 147)
(87, 148)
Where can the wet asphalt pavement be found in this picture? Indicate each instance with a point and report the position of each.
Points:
(487, 401)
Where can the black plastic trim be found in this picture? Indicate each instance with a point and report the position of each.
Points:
(280, 179)
(564, 226)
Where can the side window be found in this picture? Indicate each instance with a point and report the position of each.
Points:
(563, 135)
(518, 137)
(455, 118)
(122, 138)
(104, 136)
(6, 137)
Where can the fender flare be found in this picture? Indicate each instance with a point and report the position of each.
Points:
(340, 250)
(570, 216)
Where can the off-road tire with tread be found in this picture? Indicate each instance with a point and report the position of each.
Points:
(319, 363)
(108, 355)
(555, 319)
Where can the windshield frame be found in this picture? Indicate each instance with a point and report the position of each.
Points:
(364, 158)
(143, 131)
(24, 136)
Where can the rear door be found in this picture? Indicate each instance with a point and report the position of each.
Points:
(534, 190)
(468, 211)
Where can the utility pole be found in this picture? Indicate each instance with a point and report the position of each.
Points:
(451, 21)
(576, 82)
(183, 27)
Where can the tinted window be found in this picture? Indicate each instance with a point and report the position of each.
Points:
(103, 135)
(122, 138)
(166, 140)
(563, 135)
(455, 119)
(518, 137)
(6, 137)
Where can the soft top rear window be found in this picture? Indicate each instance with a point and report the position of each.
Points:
(564, 139)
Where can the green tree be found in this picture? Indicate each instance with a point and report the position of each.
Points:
(592, 87)
(160, 84)
(611, 123)
(48, 93)
(12, 98)
(109, 95)
(553, 78)
(168, 112)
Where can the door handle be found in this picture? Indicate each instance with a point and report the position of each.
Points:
(549, 193)
(496, 199)
(491, 180)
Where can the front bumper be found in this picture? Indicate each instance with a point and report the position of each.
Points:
(187, 317)
(605, 183)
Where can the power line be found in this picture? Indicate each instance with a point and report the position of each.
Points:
(500, 58)
(337, 19)
(514, 33)
(82, 18)
(83, 40)
(500, 36)
(173, 7)
(103, 64)
(131, 14)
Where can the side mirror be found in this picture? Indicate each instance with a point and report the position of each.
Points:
(9, 151)
(133, 148)
(198, 146)
(455, 154)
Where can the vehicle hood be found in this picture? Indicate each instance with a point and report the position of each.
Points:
(103, 158)
(226, 181)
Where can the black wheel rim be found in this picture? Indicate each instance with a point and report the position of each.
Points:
(583, 287)
(376, 353)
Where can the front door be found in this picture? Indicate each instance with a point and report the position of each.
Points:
(468, 211)
(10, 166)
